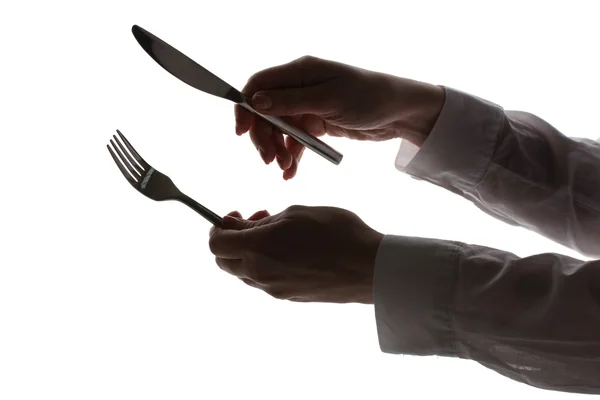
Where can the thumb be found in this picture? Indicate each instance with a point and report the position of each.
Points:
(286, 102)
(232, 222)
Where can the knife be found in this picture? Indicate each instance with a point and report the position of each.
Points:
(188, 71)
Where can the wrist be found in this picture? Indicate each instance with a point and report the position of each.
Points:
(430, 109)
(371, 245)
(418, 106)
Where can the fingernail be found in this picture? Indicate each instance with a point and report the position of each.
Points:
(263, 155)
(261, 102)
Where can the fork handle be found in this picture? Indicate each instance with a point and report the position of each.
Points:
(200, 209)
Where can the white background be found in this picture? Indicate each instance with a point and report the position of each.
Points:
(105, 294)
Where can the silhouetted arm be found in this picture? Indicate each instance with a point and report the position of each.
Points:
(514, 166)
(534, 319)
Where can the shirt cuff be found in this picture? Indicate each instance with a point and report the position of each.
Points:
(414, 282)
(460, 146)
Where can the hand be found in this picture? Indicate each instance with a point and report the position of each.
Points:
(327, 97)
(309, 254)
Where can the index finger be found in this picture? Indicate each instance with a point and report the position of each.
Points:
(296, 149)
(243, 119)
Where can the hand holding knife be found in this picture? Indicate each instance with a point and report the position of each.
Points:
(190, 72)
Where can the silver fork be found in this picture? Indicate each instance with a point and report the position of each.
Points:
(151, 183)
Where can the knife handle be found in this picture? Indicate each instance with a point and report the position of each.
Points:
(308, 140)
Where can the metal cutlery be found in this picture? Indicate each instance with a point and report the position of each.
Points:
(190, 72)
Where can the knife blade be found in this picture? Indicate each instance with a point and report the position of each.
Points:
(192, 73)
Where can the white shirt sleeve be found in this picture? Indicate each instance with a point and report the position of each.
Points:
(533, 319)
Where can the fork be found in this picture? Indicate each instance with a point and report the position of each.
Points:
(151, 183)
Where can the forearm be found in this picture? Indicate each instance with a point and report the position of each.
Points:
(515, 167)
(532, 319)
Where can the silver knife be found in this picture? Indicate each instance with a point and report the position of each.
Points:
(188, 71)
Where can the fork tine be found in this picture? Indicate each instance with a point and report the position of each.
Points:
(134, 164)
(125, 163)
(135, 154)
(123, 170)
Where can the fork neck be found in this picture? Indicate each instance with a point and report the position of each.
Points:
(200, 209)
